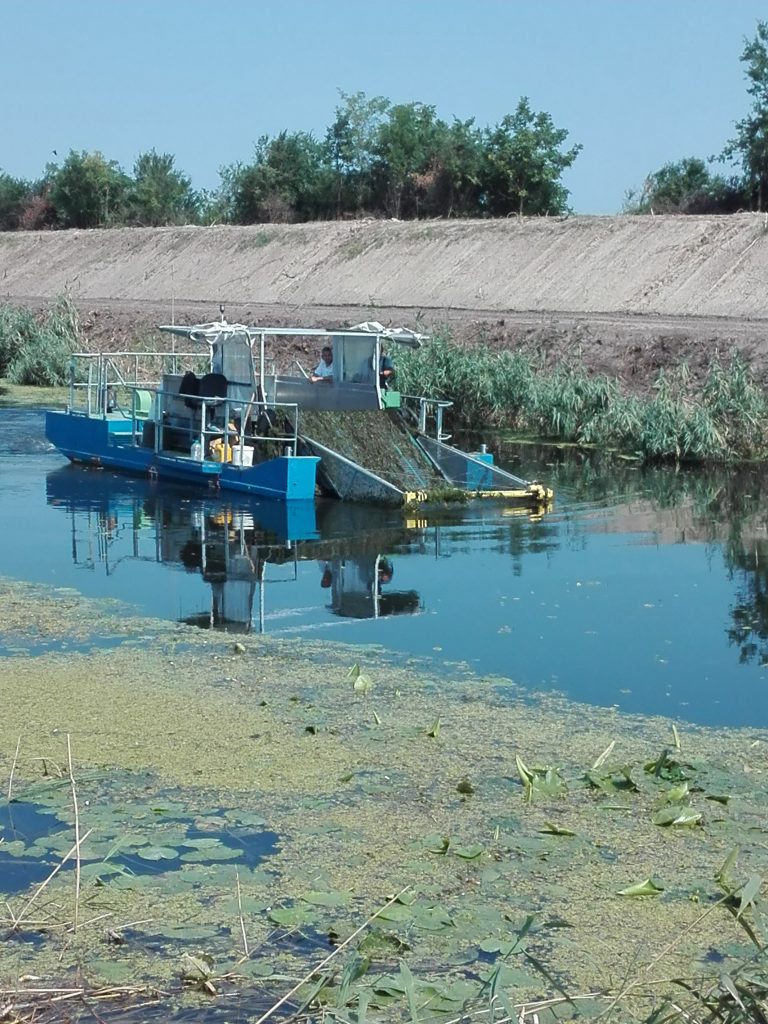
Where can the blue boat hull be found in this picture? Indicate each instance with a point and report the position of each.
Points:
(100, 441)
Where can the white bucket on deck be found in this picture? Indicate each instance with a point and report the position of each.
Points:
(245, 453)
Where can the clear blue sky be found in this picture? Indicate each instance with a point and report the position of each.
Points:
(636, 82)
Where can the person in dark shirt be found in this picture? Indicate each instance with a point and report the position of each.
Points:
(386, 371)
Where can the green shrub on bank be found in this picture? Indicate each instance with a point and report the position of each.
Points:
(725, 420)
(36, 351)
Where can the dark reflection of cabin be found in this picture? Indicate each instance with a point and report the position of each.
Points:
(360, 588)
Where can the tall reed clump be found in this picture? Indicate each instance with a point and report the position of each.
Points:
(35, 350)
(725, 420)
(487, 388)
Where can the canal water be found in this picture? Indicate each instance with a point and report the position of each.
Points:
(643, 589)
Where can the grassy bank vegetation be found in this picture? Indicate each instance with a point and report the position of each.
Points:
(36, 350)
(725, 420)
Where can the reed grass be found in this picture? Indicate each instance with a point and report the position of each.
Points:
(725, 419)
(36, 350)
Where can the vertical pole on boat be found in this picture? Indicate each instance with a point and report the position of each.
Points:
(90, 385)
(261, 595)
(72, 376)
(261, 364)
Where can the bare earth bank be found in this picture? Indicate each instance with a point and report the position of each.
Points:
(625, 296)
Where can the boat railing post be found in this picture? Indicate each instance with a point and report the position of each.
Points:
(89, 408)
(159, 421)
(422, 415)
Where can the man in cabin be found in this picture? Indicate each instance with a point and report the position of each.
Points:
(386, 371)
(323, 372)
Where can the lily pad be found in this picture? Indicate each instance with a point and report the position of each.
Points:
(327, 899)
(157, 853)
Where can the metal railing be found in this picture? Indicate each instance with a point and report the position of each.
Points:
(99, 380)
(428, 414)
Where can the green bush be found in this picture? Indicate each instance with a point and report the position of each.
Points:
(37, 351)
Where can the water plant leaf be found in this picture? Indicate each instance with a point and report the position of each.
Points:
(604, 756)
(363, 684)
(380, 943)
(469, 852)
(722, 877)
(203, 844)
(542, 781)
(748, 894)
(395, 914)
(220, 852)
(437, 844)
(355, 969)
(677, 816)
(668, 768)
(526, 776)
(645, 888)
(157, 853)
(410, 991)
(556, 830)
(676, 794)
(497, 996)
(327, 899)
(616, 781)
(16, 848)
(111, 972)
(291, 917)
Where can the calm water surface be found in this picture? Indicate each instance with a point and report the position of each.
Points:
(644, 589)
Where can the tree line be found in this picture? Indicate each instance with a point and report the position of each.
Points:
(382, 159)
(376, 158)
(691, 186)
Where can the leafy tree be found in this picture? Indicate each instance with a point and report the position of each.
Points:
(160, 194)
(406, 147)
(351, 145)
(455, 185)
(290, 179)
(88, 191)
(523, 163)
(14, 193)
(686, 186)
(750, 144)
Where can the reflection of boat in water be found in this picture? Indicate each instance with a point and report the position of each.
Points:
(358, 588)
(239, 547)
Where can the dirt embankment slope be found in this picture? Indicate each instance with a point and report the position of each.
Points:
(624, 295)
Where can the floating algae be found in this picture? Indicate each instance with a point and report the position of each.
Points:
(513, 816)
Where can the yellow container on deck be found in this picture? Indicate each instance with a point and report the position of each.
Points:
(221, 452)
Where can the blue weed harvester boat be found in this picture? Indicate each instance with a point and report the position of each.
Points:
(226, 414)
